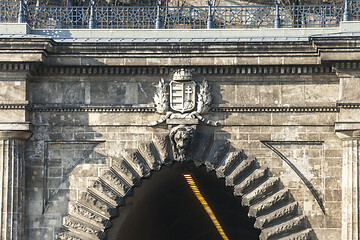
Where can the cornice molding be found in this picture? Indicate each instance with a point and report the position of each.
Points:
(149, 109)
(276, 109)
(224, 70)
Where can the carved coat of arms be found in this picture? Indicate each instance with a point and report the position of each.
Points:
(187, 99)
(182, 93)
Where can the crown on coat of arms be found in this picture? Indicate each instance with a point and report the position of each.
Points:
(182, 75)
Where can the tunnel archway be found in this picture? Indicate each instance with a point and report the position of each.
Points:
(166, 208)
(276, 214)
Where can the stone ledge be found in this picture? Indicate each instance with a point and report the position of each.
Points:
(19, 135)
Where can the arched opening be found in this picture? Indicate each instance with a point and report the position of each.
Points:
(164, 207)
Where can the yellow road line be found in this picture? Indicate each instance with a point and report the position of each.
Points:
(205, 205)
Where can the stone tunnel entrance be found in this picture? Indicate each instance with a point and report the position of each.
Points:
(164, 207)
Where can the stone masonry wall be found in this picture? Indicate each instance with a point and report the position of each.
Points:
(79, 122)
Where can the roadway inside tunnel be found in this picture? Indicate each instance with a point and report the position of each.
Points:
(164, 207)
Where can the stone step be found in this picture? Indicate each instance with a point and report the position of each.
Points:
(228, 164)
(80, 211)
(286, 212)
(83, 229)
(137, 162)
(307, 234)
(245, 168)
(252, 181)
(270, 203)
(150, 154)
(271, 185)
(118, 185)
(163, 147)
(216, 155)
(125, 171)
(70, 236)
(289, 227)
(204, 143)
(99, 187)
(97, 204)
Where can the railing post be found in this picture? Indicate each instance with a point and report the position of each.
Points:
(22, 12)
(347, 14)
(277, 15)
(92, 15)
(158, 23)
(210, 21)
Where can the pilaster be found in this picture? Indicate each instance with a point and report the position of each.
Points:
(348, 130)
(350, 181)
(12, 184)
(14, 131)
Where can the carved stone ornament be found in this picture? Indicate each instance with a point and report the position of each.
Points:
(185, 103)
(182, 139)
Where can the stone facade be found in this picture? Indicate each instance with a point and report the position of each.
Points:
(77, 131)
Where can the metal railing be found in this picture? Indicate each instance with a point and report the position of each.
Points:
(294, 16)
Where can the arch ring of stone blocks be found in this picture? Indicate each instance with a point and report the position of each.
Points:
(277, 215)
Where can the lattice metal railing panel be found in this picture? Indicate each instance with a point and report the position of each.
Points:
(244, 17)
(355, 10)
(125, 17)
(9, 11)
(58, 17)
(184, 17)
(311, 16)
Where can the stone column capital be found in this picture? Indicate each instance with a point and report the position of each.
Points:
(15, 135)
(347, 130)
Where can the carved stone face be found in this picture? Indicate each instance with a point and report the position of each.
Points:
(182, 138)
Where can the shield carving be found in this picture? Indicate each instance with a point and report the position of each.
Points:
(182, 96)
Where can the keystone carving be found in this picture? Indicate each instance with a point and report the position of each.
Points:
(182, 138)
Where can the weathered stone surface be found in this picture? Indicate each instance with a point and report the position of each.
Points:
(217, 153)
(307, 234)
(241, 171)
(290, 226)
(270, 203)
(288, 211)
(116, 183)
(150, 154)
(252, 181)
(98, 205)
(83, 228)
(269, 186)
(125, 171)
(163, 145)
(231, 160)
(82, 212)
(135, 159)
